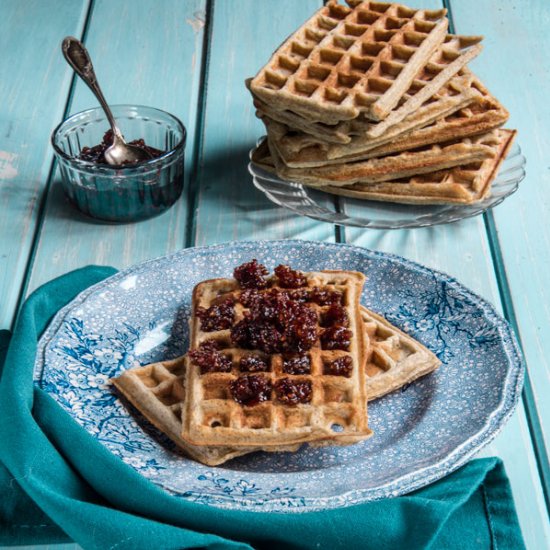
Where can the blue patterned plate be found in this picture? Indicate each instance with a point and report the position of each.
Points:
(422, 432)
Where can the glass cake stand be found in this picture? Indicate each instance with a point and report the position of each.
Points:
(322, 206)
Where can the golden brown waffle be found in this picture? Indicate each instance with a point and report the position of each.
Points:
(459, 185)
(351, 60)
(296, 146)
(261, 157)
(395, 358)
(156, 390)
(429, 159)
(442, 67)
(445, 63)
(462, 108)
(337, 410)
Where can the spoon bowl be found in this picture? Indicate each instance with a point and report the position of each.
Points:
(121, 153)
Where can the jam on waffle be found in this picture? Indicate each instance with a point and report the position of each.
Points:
(276, 360)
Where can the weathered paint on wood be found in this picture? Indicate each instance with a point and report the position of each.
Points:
(516, 68)
(228, 206)
(158, 63)
(34, 84)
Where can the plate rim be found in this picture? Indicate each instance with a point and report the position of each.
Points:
(511, 388)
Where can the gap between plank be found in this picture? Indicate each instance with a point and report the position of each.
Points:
(51, 174)
(533, 420)
(192, 191)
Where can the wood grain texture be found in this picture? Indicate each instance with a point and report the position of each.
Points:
(34, 83)
(516, 67)
(157, 63)
(463, 250)
(228, 206)
(160, 51)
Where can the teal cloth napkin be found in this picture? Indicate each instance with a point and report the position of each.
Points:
(57, 481)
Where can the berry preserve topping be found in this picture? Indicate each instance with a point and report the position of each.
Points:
(297, 365)
(301, 330)
(96, 153)
(208, 358)
(209, 345)
(251, 275)
(253, 363)
(325, 297)
(261, 335)
(249, 297)
(335, 315)
(336, 337)
(339, 367)
(252, 298)
(298, 295)
(251, 389)
(271, 306)
(289, 278)
(275, 323)
(218, 316)
(292, 392)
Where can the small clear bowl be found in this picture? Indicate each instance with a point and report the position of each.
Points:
(121, 194)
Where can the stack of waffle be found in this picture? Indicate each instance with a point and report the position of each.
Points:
(246, 397)
(374, 100)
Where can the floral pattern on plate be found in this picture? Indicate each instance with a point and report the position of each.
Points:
(422, 432)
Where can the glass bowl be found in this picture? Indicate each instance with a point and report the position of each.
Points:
(129, 193)
(322, 206)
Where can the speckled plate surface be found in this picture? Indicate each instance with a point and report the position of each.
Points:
(422, 432)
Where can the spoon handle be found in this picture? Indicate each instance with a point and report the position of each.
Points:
(78, 58)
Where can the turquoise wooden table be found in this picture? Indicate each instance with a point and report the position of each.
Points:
(191, 58)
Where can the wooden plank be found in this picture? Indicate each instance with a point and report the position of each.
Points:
(34, 83)
(462, 250)
(252, 221)
(228, 206)
(515, 67)
(158, 59)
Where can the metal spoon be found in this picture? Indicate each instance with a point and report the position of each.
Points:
(79, 59)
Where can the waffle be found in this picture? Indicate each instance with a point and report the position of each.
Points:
(337, 411)
(462, 108)
(155, 390)
(442, 67)
(460, 185)
(395, 358)
(331, 133)
(297, 146)
(260, 156)
(431, 158)
(346, 61)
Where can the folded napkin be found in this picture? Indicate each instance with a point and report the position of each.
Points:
(57, 481)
